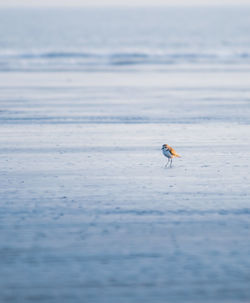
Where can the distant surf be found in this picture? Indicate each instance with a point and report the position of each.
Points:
(75, 60)
(96, 39)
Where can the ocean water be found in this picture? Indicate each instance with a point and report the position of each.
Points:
(97, 39)
(88, 213)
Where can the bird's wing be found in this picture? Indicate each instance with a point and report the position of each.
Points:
(173, 152)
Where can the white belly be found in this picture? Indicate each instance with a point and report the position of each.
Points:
(167, 153)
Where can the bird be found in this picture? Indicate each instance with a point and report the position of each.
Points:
(170, 153)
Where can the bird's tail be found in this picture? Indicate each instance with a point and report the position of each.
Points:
(178, 156)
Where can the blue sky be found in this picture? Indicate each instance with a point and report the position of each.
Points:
(15, 3)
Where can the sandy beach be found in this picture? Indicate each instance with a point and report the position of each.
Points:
(88, 210)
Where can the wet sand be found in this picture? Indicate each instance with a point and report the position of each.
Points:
(88, 212)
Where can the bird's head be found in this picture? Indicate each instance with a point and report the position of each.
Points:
(164, 146)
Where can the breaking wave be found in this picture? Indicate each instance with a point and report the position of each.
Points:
(78, 60)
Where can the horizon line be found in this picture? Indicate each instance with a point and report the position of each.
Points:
(122, 5)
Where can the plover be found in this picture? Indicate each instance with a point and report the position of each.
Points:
(170, 153)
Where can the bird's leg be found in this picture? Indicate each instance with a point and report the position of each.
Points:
(167, 164)
(171, 160)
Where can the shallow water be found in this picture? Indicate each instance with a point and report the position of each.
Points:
(88, 212)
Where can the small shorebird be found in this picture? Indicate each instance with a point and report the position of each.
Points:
(170, 153)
